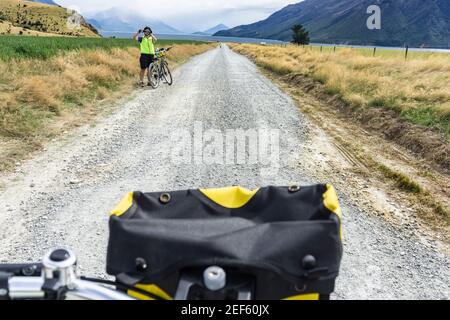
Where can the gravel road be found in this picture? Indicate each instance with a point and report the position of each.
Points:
(62, 196)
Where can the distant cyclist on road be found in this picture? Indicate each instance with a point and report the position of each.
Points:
(147, 43)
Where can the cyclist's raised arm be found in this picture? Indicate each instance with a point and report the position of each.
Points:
(136, 35)
(154, 38)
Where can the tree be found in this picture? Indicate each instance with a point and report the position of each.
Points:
(300, 35)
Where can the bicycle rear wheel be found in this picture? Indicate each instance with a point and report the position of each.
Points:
(153, 75)
(167, 75)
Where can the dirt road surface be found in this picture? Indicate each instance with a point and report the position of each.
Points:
(63, 195)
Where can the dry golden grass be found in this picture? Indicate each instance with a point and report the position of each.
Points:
(417, 89)
(7, 27)
(37, 94)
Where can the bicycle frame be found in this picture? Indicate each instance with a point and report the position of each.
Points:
(160, 62)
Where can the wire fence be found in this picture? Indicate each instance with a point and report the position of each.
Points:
(373, 51)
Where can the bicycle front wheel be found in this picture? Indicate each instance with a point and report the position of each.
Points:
(167, 75)
(153, 75)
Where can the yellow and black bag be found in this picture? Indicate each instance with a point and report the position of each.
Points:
(284, 241)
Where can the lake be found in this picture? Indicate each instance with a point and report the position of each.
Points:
(254, 40)
(193, 37)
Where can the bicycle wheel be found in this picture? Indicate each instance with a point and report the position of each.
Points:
(167, 75)
(153, 75)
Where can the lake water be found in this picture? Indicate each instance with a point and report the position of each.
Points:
(194, 37)
(253, 40)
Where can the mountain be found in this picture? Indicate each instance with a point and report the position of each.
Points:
(34, 18)
(49, 2)
(116, 19)
(213, 30)
(411, 22)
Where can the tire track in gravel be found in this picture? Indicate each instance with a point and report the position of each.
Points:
(62, 196)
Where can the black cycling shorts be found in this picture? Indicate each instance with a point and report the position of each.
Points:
(146, 60)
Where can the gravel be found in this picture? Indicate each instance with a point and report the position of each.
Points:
(62, 196)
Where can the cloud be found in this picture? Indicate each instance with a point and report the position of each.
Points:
(191, 14)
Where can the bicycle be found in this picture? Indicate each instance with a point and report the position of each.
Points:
(159, 69)
(185, 245)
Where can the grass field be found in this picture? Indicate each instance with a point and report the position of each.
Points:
(22, 47)
(417, 90)
(53, 84)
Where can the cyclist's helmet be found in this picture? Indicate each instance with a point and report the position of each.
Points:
(148, 29)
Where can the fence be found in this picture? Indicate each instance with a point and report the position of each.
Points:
(407, 50)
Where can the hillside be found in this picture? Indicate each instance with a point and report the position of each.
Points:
(33, 18)
(412, 22)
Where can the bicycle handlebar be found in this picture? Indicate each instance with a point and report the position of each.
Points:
(54, 279)
(57, 278)
(164, 49)
(27, 269)
(32, 288)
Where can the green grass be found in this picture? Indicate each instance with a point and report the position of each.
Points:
(402, 181)
(428, 117)
(23, 47)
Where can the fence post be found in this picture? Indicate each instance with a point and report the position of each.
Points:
(406, 53)
(334, 50)
(374, 51)
(321, 48)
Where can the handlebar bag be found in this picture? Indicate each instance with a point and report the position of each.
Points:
(287, 238)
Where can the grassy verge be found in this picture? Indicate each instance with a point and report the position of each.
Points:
(408, 184)
(24, 47)
(406, 101)
(304, 85)
(43, 97)
(403, 182)
(416, 90)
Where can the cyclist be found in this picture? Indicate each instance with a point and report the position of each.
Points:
(147, 43)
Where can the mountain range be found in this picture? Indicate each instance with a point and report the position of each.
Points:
(213, 30)
(49, 2)
(116, 19)
(403, 22)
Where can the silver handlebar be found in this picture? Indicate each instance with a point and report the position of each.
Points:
(59, 279)
(31, 288)
(60, 271)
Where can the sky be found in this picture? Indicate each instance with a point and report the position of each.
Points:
(188, 15)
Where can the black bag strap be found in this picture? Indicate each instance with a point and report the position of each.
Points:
(129, 280)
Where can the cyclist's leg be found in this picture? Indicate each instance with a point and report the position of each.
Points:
(141, 76)
(144, 62)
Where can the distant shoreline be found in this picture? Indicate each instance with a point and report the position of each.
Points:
(197, 37)
(194, 37)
